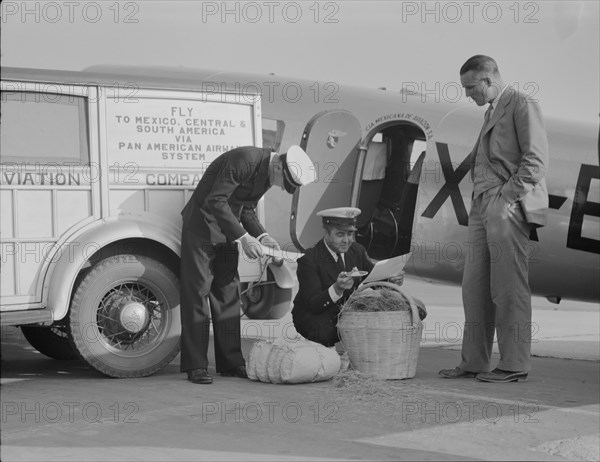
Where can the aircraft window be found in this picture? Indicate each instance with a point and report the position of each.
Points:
(272, 132)
(44, 128)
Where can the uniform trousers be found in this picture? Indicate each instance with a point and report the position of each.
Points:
(495, 286)
(209, 287)
(320, 328)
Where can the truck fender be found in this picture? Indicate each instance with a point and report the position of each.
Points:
(61, 274)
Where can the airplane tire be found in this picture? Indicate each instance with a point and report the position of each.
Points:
(52, 341)
(125, 319)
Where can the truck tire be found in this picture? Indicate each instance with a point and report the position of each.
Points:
(52, 341)
(124, 318)
(265, 300)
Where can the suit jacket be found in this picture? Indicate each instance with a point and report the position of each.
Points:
(515, 145)
(223, 206)
(314, 310)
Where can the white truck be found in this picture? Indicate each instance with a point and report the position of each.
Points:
(95, 169)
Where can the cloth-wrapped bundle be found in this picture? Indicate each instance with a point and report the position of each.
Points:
(295, 360)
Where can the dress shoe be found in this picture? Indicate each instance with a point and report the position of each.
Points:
(239, 371)
(500, 376)
(457, 373)
(199, 376)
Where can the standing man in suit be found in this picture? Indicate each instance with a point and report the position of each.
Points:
(324, 276)
(221, 211)
(510, 200)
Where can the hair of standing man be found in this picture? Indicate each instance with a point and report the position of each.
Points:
(480, 63)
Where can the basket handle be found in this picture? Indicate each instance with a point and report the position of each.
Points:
(411, 301)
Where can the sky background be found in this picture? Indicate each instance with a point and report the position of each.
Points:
(547, 48)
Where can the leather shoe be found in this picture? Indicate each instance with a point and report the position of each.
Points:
(199, 376)
(500, 376)
(239, 371)
(457, 373)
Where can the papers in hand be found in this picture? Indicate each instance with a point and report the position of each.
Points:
(278, 253)
(385, 269)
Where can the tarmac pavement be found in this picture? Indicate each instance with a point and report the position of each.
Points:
(64, 410)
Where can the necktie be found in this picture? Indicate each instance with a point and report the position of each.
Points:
(486, 119)
(488, 115)
(340, 262)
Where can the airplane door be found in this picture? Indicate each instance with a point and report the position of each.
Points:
(331, 139)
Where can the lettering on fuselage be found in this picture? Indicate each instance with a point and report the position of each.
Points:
(581, 208)
(450, 188)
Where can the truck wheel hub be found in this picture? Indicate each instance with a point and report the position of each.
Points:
(133, 317)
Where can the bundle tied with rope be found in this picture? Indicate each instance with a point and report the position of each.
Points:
(380, 328)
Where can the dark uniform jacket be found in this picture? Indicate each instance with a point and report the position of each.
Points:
(227, 195)
(314, 313)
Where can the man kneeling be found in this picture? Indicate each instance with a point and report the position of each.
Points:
(325, 276)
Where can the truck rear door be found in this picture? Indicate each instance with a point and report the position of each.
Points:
(48, 181)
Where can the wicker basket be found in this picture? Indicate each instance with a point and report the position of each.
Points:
(383, 343)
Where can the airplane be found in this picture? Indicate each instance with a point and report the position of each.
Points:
(402, 159)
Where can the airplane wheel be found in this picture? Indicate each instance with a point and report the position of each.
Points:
(52, 341)
(124, 318)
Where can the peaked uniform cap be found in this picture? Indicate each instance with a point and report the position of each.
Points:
(298, 169)
(340, 217)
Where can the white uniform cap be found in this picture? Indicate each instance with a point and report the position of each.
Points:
(298, 169)
(340, 217)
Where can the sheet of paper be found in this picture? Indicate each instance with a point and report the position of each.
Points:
(385, 269)
(277, 253)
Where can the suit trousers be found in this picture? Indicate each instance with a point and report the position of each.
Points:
(495, 286)
(209, 287)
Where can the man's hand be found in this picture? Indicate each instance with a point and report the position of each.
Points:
(268, 241)
(343, 282)
(251, 246)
